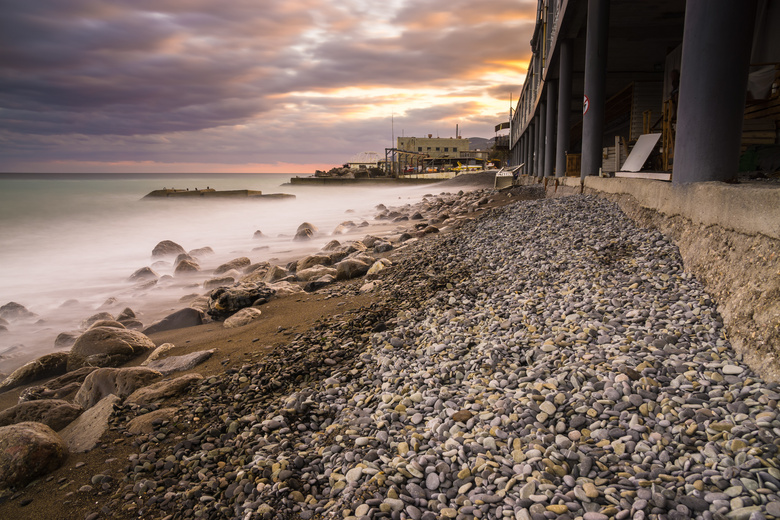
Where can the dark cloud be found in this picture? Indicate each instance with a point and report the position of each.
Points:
(169, 80)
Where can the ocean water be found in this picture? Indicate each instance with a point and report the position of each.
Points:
(68, 243)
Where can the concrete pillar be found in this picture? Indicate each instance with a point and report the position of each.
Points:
(595, 86)
(531, 150)
(564, 107)
(540, 146)
(716, 48)
(549, 149)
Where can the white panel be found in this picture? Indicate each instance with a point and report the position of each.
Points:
(641, 152)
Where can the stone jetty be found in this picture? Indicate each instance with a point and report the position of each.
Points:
(212, 193)
(549, 360)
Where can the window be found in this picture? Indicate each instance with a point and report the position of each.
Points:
(455, 150)
(438, 149)
(446, 149)
(419, 148)
(429, 148)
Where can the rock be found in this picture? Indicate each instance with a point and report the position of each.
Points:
(145, 423)
(351, 268)
(157, 352)
(382, 247)
(59, 387)
(318, 271)
(238, 264)
(143, 274)
(120, 382)
(462, 416)
(305, 231)
(106, 346)
(274, 274)
(219, 282)
(319, 283)
(377, 267)
(180, 363)
(187, 317)
(370, 240)
(84, 433)
(126, 314)
(257, 267)
(45, 366)
(167, 248)
(163, 389)
(54, 413)
(107, 323)
(226, 301)
(100, 316)
(186, 267)
(284, 289)
(201, 251)
(428, 230)
(27, 451)
(132, 324)
(15, 311)
(311, 261)
(258, 234)
(65, 339)
(242, 317)
(182, 257)
(332, 245)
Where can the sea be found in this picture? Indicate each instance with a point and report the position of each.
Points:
(69, 242)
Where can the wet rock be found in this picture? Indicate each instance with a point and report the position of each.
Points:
(274, 273)
(100, 316)
(187, 317)
(311, 261)
(305, 231)
(351, 268)
(107, 323)
(117, 381)
(61, 387)
(54, 413)
(219, 282)
(167, 248)
(318, 271)
(49, 365)
(238, 264)
(146, 423)
(143, 274)
(284, 289)
(186, 267)
(319, 283)
(200, 252)
(66, 339)
(28, 450)
(15, 311)
(107, 346)
(226, 301)
(258, 234)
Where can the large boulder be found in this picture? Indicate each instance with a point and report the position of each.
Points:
(201, 251)
(167, 248)
(54, 413)
(275, 273)
(284, 289)
(27, 451)
(186, 267)
(319, 283)
(312, 260)
(107, 347)
(226, 301)
(100, 316)
(15, 311)
(218, 282)
(84, 433)
(242, 317)
(352, 268)
(107, 323)
(66, 339)
(305, 231)
(58, 388)
(239, 264)
(163, 389)
(49, 365)
(144, 274)
(120, 382)
(187, 317)
(317, 271)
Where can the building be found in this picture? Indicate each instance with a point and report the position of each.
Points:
(363, 161)
(418, 154)
(702, 75)
(435, 147)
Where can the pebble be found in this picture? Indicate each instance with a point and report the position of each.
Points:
(547, 359)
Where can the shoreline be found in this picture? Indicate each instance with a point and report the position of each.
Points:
(498, 366)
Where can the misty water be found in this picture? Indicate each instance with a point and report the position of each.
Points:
(69, 244)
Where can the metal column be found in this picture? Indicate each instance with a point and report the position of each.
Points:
(595, 86)
(531, 150)
(549, 149)
(717, 41)
(539, 164)
(564, 107)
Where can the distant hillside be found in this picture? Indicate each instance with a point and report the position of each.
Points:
(480, 143)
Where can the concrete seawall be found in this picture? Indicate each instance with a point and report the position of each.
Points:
(729, 238)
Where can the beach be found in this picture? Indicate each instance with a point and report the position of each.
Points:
(534, 358)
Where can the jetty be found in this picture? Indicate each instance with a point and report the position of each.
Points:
(212, 193)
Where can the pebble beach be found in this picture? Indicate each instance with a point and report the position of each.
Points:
(546, 360)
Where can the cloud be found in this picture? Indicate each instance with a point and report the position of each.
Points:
(252, 80)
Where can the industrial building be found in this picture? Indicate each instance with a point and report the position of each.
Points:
(690, 86)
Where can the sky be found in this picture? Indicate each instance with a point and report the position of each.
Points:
(274, 86)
